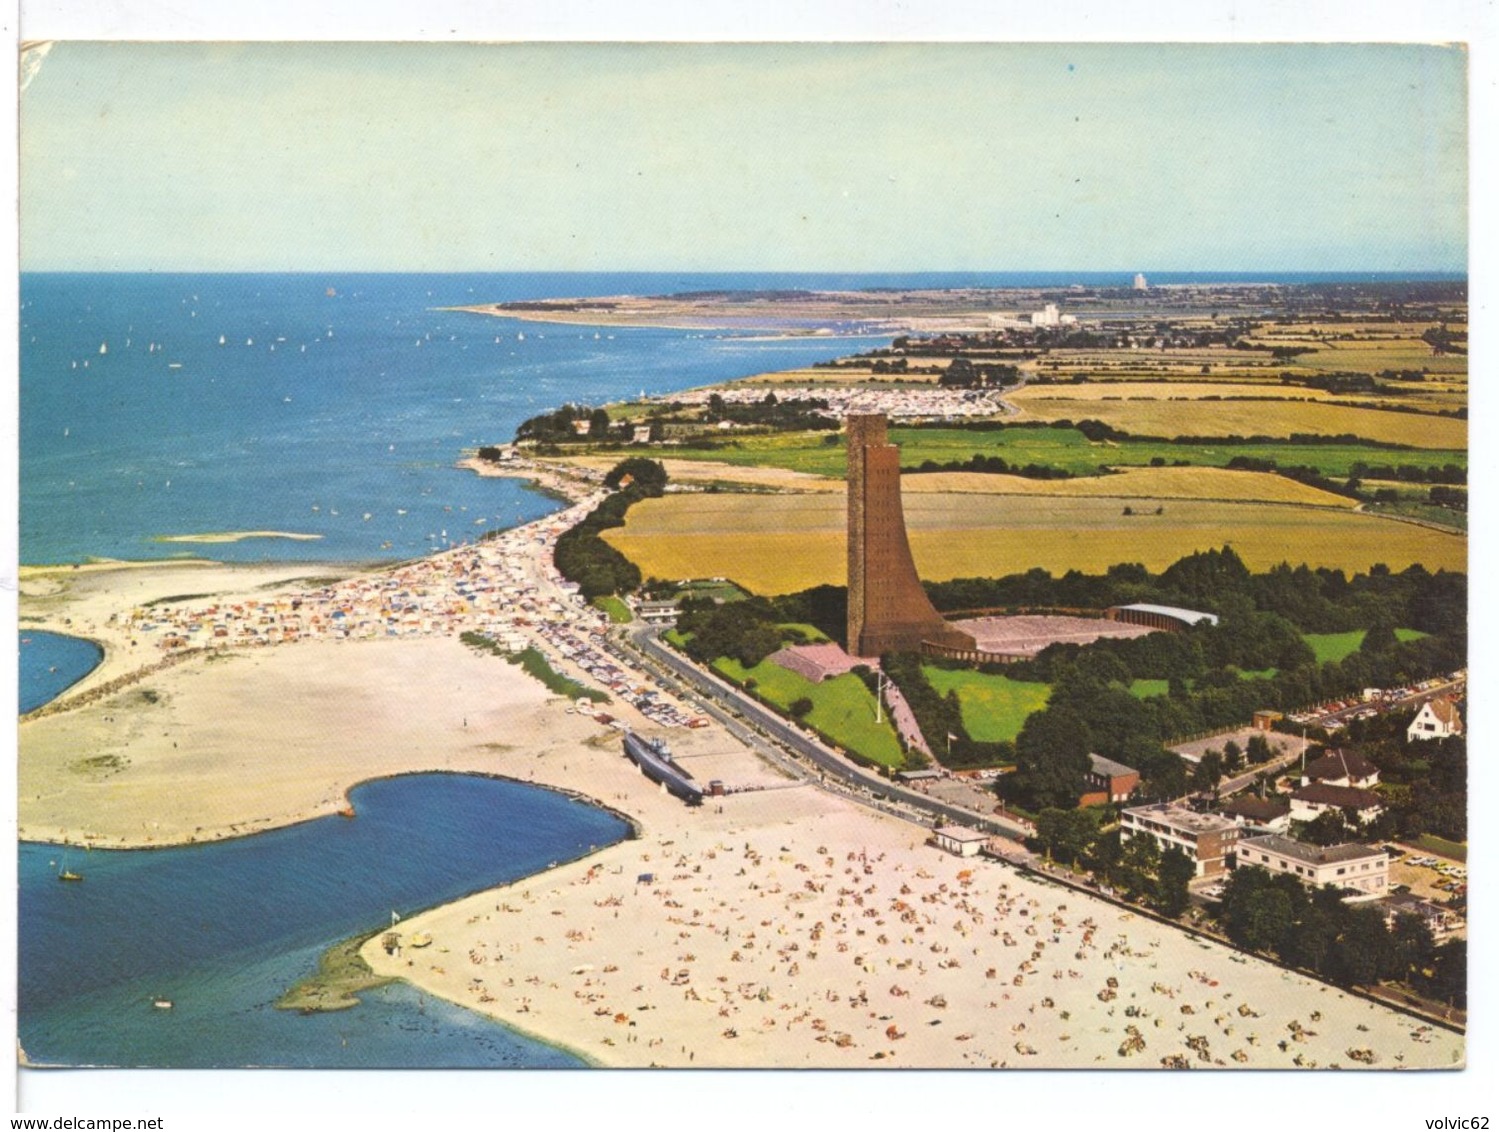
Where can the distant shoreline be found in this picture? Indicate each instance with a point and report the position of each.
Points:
(236, 536)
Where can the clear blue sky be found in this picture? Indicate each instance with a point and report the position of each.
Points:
(710, 157)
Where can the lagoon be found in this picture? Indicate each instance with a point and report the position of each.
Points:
(222, 929)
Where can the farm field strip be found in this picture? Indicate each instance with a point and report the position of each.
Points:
(1246, 418)
(780, 544)
(1064, 448)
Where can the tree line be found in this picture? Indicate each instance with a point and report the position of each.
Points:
(583, 557)
(1349, 945)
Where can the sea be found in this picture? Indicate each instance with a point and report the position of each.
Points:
(156, 406)
(220, 930)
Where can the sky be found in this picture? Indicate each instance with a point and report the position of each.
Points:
(810, 157)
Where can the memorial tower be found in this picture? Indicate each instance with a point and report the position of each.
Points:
(888, 611)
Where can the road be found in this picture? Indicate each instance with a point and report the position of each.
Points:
(748, 720)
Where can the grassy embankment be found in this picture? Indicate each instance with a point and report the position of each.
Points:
(994, 707)
(535, 665)
(843, 707)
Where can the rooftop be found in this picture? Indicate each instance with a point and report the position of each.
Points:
(1311, 854)
(1190, 616)
(1320, 793)
(960, 833)
(1256, 809)
(1179, 817)
(1100, 765)
(1340, 764)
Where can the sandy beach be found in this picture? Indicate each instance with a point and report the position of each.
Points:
(790, 929)
(780, 925)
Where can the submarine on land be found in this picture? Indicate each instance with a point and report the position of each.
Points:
(654, 759)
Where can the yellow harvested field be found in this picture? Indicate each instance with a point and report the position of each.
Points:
(1132, 483)
(780, 544)
(1249, 418)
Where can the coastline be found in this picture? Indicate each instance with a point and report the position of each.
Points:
(852, 943)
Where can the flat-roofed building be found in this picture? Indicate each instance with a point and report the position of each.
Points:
(960, 840)
(1205, 838)
(1359, 867)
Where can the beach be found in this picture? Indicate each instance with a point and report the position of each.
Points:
(779, 925)
(791, 929)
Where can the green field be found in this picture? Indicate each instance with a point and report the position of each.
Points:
(1336, 646)
(1452, 850)
(618, 611)
(843, 707)
(1144, 689)
(1054, 447)
(994, 707)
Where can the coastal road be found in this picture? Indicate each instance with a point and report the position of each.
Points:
(833, 768)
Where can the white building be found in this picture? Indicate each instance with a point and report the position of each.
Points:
(1140, 283)
(1206, 838)
(1437, 719)
(960, 840)
(1358, 867)
(1050, 316)
(1310, 801)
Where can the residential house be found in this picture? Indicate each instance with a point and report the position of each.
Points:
(1437, 719)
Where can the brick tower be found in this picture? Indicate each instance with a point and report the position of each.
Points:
(887, 608)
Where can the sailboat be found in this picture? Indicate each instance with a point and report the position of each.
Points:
(66, 874)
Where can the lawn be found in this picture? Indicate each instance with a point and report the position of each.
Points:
(618, 611)
(810, 633)
(843, 707)
(1336, 646)
(1144, 689)
(994, 707)
(1453, 850)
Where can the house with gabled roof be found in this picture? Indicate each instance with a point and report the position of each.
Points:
(1437, 719)
(1310, 801)
(1342, 768)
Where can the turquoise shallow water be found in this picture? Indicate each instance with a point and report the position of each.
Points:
(222, 929)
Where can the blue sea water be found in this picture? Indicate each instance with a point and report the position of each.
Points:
(336, 405)
(339, 416)
(222, 929)
(320, 408)
(50, 664)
